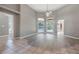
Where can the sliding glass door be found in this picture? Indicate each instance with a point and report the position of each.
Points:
(44, 25)
(40, 24)
(49, 25)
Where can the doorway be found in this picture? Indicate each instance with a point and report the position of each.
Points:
(60, 26)
(7, 25)
(11, 26)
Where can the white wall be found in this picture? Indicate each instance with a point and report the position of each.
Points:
(27, 20)
(70, 14)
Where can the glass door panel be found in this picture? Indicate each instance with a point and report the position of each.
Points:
(41, 25)
(49, 25)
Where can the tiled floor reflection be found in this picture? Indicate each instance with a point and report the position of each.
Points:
(40, 44)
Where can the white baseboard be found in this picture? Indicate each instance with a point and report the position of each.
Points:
(26, 36)
(71, 37)
(4, 36)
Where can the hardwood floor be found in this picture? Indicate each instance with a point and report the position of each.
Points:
(40, 44)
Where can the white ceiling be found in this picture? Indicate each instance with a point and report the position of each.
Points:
(43, 7)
